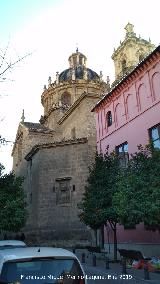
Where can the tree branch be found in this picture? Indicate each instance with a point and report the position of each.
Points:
(10, 65)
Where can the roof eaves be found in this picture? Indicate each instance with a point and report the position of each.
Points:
(127, 76)
(38, 147)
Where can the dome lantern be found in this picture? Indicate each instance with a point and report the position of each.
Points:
(77, 59)
(77, 69)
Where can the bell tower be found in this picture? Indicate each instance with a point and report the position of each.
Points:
(130, 52)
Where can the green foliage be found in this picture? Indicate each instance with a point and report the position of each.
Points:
(96, 205)
(12, 205)
(138, 196)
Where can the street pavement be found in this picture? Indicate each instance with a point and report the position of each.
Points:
(99, 274)
(114, 275)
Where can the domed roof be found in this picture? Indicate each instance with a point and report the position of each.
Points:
(79, 74)
(78, 69)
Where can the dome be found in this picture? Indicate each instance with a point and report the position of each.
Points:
(77, 69)
(80, 73)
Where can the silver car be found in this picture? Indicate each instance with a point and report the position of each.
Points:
(4, 244)
(40, 265)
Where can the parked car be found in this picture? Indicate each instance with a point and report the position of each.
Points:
(40, 265)
(11, 243)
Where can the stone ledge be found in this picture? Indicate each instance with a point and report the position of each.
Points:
(38, 147)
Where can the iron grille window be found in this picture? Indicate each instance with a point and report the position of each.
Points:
(155, 136)
(122, 152)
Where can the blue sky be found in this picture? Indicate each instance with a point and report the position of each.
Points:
(14, 14)
(50, 30)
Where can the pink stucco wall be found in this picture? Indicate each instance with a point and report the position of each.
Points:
(140, 235)
(135, 107)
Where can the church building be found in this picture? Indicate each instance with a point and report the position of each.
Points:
(54, 155)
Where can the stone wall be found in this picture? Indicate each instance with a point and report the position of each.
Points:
(57, 177)
(81, 119)
(24, 143)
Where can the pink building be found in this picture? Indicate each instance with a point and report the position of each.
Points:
(127, 116)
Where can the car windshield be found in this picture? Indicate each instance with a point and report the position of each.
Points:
(66, 271)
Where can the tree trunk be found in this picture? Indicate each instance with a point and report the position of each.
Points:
(102, 237)
(115, 243)
(108, 237)
(96, 241)
(114, 228)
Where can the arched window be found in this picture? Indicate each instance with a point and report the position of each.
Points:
(66, 99)
(123, 66)
(46, 104)
(73, 133)
(109, 118)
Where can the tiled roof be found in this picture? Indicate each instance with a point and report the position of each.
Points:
(35, 126)
(79, 74)
(61, 143)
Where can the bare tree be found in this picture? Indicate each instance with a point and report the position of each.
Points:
(7, 65)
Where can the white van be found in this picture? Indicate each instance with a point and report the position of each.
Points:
(39, 265)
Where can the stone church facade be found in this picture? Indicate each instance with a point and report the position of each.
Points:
(54, 154)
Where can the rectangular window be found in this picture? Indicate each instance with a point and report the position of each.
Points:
(155, 136)
(122, 152)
